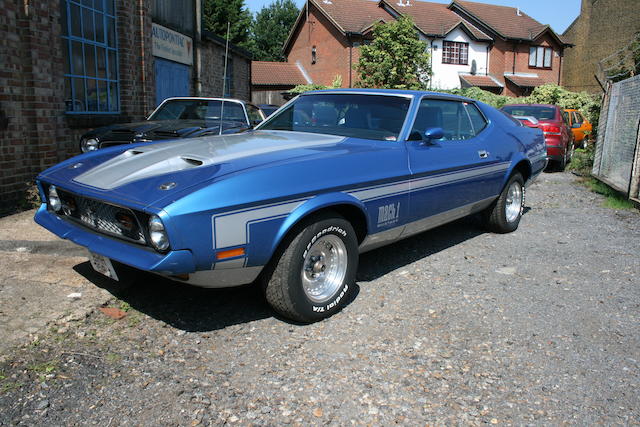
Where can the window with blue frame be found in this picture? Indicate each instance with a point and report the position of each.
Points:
(91, 56)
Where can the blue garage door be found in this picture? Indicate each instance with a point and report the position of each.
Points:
(172, 79)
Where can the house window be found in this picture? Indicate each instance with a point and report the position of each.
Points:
(455, 53)
(313, 55)
(540, 57)
(228, 78)
(90, 56)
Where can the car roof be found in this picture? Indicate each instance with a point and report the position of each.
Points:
(531, 105)
(393, 92)
(201, 98)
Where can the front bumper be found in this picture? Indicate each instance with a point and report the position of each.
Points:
(137, 256)
(173, 264)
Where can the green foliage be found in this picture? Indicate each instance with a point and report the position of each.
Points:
(337, 82)
(588, 104)
(271, 28)
(485, 96)
(582, 160)
(614, 200)
(217, 13)
(396, 59)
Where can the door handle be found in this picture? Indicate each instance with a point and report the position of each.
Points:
(483, 154)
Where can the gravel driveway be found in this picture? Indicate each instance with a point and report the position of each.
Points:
(454, 326)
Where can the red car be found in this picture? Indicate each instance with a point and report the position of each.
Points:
(557, 132)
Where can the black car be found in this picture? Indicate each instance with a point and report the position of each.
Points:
(179, 118)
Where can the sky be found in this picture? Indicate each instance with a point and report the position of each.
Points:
(557, 13)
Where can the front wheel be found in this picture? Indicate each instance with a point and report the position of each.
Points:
(504, 215)
(313, 275)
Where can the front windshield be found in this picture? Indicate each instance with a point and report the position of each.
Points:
(377, 117)
(540, 113)
(198, 109)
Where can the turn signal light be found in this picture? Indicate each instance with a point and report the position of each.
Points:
(230, 253)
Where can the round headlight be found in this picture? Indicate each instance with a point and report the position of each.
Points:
(54, 199)
(89, 144)
(157, 234)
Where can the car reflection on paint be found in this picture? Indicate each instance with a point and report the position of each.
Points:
(181, 117)
(292, 204)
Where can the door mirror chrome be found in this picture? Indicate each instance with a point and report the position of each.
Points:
(433, 133)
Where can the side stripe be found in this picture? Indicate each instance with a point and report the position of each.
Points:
(232, 228)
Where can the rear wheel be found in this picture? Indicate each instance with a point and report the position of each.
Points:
(313, 275)
(504, 215)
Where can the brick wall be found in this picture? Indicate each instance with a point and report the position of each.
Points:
(38, 133)
(212, 71)
(603, 27)
(332, 50)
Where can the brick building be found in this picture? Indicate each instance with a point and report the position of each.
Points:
(619, 20)
(68, 66)
(497, 48)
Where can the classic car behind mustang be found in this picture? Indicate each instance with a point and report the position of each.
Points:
(291, 204)
(182, 117)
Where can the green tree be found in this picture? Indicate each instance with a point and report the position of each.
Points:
(396, 59)
(216, 14)
(271, 28)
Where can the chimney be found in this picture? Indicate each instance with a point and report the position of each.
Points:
(400, 3)
(408, 4)
(518, 12)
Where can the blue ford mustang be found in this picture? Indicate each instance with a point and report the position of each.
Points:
(332, 174)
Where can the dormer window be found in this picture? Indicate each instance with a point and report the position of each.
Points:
(540, 57)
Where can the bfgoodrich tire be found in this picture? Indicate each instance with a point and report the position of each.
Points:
(313, 274)
(504, 215)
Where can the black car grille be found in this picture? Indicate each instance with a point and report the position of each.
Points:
(102, 217)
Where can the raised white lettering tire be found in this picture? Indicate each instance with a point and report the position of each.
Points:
(504, 215)
(313, 274)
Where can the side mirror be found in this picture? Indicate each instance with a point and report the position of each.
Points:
(433, 133)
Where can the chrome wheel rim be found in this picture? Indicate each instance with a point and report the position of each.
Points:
(513, 205)
(324, 268)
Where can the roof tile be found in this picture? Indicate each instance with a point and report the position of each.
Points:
(525, 81)
(503, 19)
(276, 73)
(479, 80)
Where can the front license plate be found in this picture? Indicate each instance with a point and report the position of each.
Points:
(102, 265)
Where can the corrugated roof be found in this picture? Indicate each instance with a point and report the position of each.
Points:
(479, 80)
(505, 20)
(276, 74)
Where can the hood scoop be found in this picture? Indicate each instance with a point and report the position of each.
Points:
(133, 165)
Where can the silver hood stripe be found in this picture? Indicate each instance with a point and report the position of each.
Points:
(163, 158)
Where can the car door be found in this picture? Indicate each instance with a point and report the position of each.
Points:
(452, 174)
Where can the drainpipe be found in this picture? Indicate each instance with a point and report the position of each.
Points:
(486, 65)
(350, 62)
(431, 63)
(513, 71)
(144, 64)
(560, 68)
(197, 36)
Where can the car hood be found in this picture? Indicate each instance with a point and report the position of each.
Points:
(160, 129)
(135, 175)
